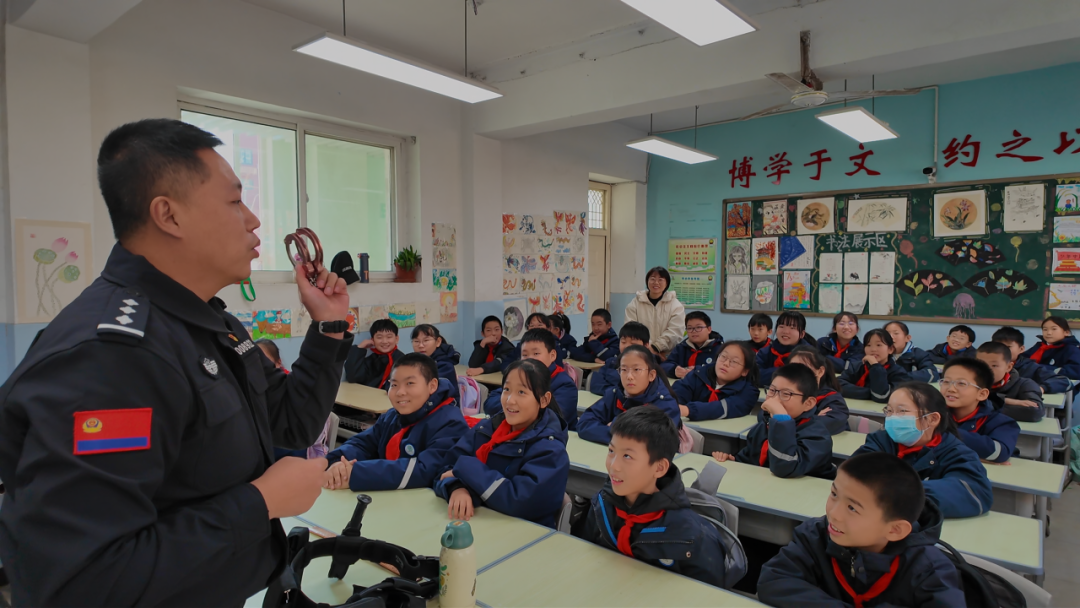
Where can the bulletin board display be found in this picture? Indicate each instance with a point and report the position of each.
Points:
(995, 252)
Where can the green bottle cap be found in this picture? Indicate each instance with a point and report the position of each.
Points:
(458, 535)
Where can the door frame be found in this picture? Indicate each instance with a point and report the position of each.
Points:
(606, 233)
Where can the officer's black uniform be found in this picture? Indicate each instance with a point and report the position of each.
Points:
(175, 524)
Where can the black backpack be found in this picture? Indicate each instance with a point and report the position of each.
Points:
(704, 502)
(982, 588)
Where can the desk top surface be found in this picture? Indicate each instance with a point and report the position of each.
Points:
(363, 398)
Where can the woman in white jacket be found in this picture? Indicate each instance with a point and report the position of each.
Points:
(659, 310)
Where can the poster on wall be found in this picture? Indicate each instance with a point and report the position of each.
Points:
(797, 289)
(831, 298)
(796, 252)
(774, 215)
(272, 324)
(1067, 199)
(1067, 229)
(696, 290)
(815, 216)
(737, 292)
(877, 215)
(1065, 262)
(959, 213)
(765, 255)
(1024, 208)
(514, 315)
(738, 220)
(403, 315)
(737, 260)
(52, 267)
(765, 294)
(544, 260)
(692, 255)
(448, 307)
(1063, 296)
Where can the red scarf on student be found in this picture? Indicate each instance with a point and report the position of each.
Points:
(949, 351)
(501, 435)
(624, 532)
(866, 372)
(1038, 354)
(875, 590)
(779, 362)
(714, 393)
(491, 352)
(903, 450)
(763, 460)
(978, 424)
(389, 366)
(558, 370)
(840, 350)
(1003, 382)
(393, 447)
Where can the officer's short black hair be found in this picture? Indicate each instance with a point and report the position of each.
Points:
(651, 426)
(801, 376)
(1009, 334)
(142, 160)
(383, 325)
(896, 486)
(984, 376)
(603, 313)
(700, 316)
(996, 348)
(967, 331)
(428, 369)
(760, 319)
(489, 319)
(634, 331)
(543, 336)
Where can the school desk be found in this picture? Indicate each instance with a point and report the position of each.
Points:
(723, 435)
(771, 507)
(492, 379)
(585, 365)
(588, 466)
(585, 399)
(561, 570)
(363, 398)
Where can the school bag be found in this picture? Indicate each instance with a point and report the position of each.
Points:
(704, 502)
(470, 395)
(982, 588)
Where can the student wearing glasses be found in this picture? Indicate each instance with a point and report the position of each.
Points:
(699, 348)
(842, 345)
(641, 382)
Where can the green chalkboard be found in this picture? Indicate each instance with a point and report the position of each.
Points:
(924, 253)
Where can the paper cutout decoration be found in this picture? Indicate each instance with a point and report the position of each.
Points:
(877, 215)
(1066, 261)
(448, 307)
(774, 217)
(765, 294)
(1067, 229)
(855, 266)
(930, 282)
(963, 306)
(972, 251)
(273, 324)
(1064, 296)
(1067, 198)
(882, 268)
(1024, 208)
(815, 216)
(738, 220)
(881, 300)
(737, 292)
(737, 260)
(831, 298)
(1008, 282)
(514, 314)
(960, 213)
(765, 255)
(796, 252)
(797, 289)
(855, 298)
(831, 268)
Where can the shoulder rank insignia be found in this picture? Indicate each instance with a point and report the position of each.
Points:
(126, 314)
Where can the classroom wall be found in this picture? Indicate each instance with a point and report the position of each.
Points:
(685, 200)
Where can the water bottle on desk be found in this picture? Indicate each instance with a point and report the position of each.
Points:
(457, 567)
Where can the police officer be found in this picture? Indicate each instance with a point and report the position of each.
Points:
(136, 436)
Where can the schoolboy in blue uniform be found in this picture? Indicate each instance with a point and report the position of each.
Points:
(1048, 380)
(760, 328)
(959, 343)
(1057, 348)
(842, 346)
(831, 406)
(514, 462)
(791, 441)
(490, 350)
(700, 347)
(536, 320)
(427, 340)
(539, 344)
(724, 389)
(790, 332)
(1016, 397)
(561, 328)
(601, 344)
(642, 382)
(603, 378)
(407, 445)
(374, 369)
(920, 430)
(991, 434)
(877, 374)
(914, 360)
(873, 547)
(643, 511)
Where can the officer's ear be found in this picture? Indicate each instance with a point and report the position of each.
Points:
(163, 210)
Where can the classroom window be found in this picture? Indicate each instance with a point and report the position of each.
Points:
(598, 208)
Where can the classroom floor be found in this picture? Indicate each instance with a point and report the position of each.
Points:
(1062, 549)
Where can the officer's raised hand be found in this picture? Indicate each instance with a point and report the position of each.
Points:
(327, 300)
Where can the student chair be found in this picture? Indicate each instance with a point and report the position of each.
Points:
(577, 374)
(484, 391)
(587, 385)
(562, 522)
(1036, 596)
(699, 440)
(860, 424)
(332, 437)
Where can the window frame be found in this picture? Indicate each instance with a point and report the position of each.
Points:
(605, 211)
(303, 126)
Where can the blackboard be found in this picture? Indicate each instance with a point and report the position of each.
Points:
(995, 277)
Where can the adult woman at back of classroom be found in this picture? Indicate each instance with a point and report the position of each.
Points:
(658, 309)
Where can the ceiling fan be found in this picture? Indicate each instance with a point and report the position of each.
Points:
(807, 93)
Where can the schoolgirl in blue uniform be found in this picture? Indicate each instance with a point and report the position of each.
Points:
(1057, 348)
(916, 361)
(830, 406)
(790, 332)
(642, 383)
(539, 344)
(842, 345)
(700, 347)
(427, 340)
(630, 334)
(875, 376)
(725, 389)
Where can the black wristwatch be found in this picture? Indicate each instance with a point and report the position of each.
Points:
(333, 327)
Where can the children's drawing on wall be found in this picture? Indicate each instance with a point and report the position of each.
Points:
(963, 306)
(815, 216)
(929, 282)
(1067, 229)
(528, 264)
(273, 324)
(765, 255)
(427, 312)
(547, 226)
(526, 224)
(882, 268)
(1024, 208)
(570, 222)
(562, 245)
(1063, 296)
(737, 292)
(369, 314)
(52, 267)
(877, 215)
(855, 298)
(797, 289)
(509, 244)
(577, 245)
(448, 307)
(960, 213)
(443, 235)
(1067, 198)
(855, 266)
(738, 257)
(971, 251)
(1011, 283)
(245, 317)
(774, 217)
(881, 300)
(444, 257)
(443, 280)
(529, 244)
(509, 223)
(796, 252)
(562, 263)
(765, 294)
(403, 315)
(830, 298)
(738, 220)
(832, 268)
(514, 314)
(351, 317)
(1066, 261)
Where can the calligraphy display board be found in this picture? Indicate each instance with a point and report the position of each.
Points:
(991, 252)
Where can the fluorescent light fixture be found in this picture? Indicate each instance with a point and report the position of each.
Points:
(670, 149)
(366, 58)
(858, 124)
(699, 21)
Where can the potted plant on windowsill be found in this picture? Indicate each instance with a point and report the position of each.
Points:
(407, 265)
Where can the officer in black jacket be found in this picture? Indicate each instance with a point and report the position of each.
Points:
(137, 435)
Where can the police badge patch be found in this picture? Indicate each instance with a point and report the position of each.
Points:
(210, 366)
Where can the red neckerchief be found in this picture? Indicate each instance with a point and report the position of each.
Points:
(618, 404)
(624, 532)
(978, 423)
(825, 396)
(501, 435)
(866, 372)
(768, 341)
(840, 351)
(714, 393)
(903, 450)
(389, 366)
(1003, 382)
(875, 590)
(491, 352)
(393, 447)
(1038, 354)
(763, 460)
(693, 356)
(779, 362)
(558, 370)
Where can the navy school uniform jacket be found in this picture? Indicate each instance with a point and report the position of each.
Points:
(705, 402)
(790, 447)
(942, 353)
(445, 359)
(991, 434)
(1043, 375)
(370, 367)
(757, 346)
(771, 357)
(679, 540)
(875, 382)
(560, 355)
(951, 472)
(687, 355)
(836, 420)
(803, 573)
(430, 433)
(566, 343)
(918, 363)
(607, 376)
(1063, 356)
(563, 391)
(1013, 386)
(593, 423)
(604, 347)
(490, 357)
(524, 477)
(830, 347)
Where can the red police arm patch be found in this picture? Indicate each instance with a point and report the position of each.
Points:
(105, 431)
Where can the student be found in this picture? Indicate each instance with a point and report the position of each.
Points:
(642, 382)
(561, 328)
(830, 406)
(407, 445)
(631, 334)
(271, 351)
(842, 345)
(643, 511)
(427, 340)
(490, 350)
(916, 361)
(699, 348)
(959, 343)
(1048, 380)
(1016, 397)
(1057, 348)
(760, 328)
(791, 441)
(989, 433)
(877, 373)
(536, 320)
(514, 462)
(920, 430)
(539, 345)
(371, 361)
(727, 388)
(873, 547)
(790, 332)
(600, 345)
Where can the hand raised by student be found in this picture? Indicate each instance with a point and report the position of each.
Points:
(680, 372)
(722, 456)
(369, 343)
(474, 371)
(461, 506)
(684, 411)
(337, 476)
(291, 485)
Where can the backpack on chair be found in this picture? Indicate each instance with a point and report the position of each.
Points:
(723, 516)
(470, 396)
(982, 588)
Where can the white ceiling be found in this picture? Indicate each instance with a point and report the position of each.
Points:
(76, 20)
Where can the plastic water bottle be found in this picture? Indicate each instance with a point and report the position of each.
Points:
(457, 567)
(365, 260)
